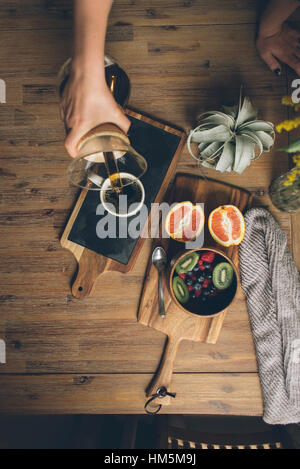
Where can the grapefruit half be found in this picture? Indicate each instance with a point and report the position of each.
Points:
(227, 225)
(185, 222)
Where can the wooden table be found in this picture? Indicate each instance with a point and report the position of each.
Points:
(69, 356)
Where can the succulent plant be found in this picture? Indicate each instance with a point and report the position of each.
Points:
(229, 140)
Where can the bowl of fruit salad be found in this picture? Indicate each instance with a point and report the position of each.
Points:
(203, 281)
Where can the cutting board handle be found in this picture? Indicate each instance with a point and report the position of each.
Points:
(89, 269)
(163, 377)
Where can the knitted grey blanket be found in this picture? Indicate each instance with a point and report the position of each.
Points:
(271, 282)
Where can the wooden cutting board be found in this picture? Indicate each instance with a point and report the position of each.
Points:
(161, 145)
(178, 325)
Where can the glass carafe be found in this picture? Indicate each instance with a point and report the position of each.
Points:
(285, 192)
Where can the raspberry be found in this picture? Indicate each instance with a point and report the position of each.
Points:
(190, 288)
(208, 257)
(200, 262)
(198, 292)
(206, 283)
(183, 276)
(202, 267)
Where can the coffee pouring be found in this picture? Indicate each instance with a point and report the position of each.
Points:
(106, 161)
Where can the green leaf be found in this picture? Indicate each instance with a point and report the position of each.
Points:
(243, 154)
(246, 157)
(255, 126)
(252, 137)
(294, 147)
(246, 113)
(266, 139)
(227, 158)
(231, 111)
(208, 165)
(209, 150)
(221, 133)
(217, 118)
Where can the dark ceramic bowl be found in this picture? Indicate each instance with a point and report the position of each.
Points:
(215, 305)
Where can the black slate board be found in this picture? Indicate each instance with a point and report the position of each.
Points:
(158, 147)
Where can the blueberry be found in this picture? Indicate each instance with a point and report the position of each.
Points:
(206, 293)
(201, 278)
(206, 265)
(193, 296)
(196, 268)
(209, 275)
(189, 282)
(197, 286)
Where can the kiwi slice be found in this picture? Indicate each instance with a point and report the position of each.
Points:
(187, 263)
(181, 290)
(223, 276)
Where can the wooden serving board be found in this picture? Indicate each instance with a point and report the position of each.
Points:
(179, 325)
(161, 145)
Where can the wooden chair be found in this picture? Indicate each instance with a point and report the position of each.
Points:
(202, 432)
(221, 433)
(194, 440)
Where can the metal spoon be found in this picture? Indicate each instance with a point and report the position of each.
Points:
(159, 260)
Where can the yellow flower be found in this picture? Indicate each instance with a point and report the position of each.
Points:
(287, 100)
(296, 158)
(288, 125)
(291, 177)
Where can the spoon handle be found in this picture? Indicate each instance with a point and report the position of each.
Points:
(162, 311)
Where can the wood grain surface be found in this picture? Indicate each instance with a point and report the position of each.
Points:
(183, 57)
(102, 394)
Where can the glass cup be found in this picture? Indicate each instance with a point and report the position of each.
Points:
(126, 204)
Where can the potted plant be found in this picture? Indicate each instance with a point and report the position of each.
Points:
(285, 190)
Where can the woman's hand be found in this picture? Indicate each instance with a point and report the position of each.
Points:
(86, 103)
(280, 46)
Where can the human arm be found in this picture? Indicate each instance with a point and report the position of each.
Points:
(87, 101)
